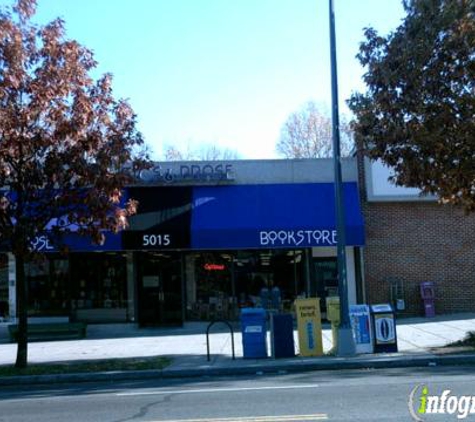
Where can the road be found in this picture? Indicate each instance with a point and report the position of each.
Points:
(356, 395)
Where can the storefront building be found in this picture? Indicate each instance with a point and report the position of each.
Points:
(412, 239)
(210, 236)
(208, 239)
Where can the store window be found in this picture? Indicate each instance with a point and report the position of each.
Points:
(3, 287)
(269, 278)
(210, 290)
(47, 281)
(220, 283)
(99, 287)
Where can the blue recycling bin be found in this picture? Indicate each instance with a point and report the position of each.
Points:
(254, 332)
(282, 336)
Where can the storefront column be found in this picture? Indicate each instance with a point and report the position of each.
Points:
(234, 300)
(360, 276)
(131, 290)
(351, 274)
(190, 279)
(183, 287)
(296, 288)
(308, 263)
(11, 287)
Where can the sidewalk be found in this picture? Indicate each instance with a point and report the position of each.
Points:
(187, 347)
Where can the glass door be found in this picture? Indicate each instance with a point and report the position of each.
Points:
(326, 278)
(160, 281)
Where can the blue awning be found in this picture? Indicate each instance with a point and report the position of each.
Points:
(46, 241)
(272, 216)
(77, 243)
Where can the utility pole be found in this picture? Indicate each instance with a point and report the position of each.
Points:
(346, 342)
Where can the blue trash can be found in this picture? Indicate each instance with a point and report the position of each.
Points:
(254, 332)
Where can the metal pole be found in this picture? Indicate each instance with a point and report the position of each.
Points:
(346, 342)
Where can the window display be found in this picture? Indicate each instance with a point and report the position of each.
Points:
(48, 285)
(99, 286)
(211, 281)
(220, 283)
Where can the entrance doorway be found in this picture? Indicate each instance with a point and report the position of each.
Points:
(159, 289)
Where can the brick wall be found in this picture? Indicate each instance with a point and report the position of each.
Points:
(419, 241)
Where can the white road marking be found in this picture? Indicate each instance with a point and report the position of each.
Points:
(218, 390)
(283, 418)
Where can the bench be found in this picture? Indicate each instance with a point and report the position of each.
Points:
(51, 331)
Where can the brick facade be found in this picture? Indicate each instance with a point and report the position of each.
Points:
(412, 242)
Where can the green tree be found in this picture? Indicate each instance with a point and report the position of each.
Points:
(64, 143)
(418, 114)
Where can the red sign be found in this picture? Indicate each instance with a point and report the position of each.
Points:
(214, 267)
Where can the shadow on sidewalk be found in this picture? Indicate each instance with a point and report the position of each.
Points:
(401, 320)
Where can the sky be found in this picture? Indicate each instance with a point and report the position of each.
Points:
(222, 72)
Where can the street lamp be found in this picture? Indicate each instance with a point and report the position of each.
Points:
(346, 342)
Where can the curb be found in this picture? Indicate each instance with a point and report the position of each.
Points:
(277, 368)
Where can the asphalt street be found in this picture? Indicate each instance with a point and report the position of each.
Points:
(354, 395)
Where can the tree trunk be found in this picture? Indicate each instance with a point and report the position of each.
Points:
(22, 305)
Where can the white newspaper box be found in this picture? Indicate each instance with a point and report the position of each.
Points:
(361, 325)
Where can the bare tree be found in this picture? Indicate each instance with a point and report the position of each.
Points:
(205, 152)
(307, 133)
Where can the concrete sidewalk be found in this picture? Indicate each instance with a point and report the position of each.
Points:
(187, 346)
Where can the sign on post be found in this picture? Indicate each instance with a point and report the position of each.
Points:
(309, 323)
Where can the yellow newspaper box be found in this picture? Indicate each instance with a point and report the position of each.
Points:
(333, 315)
(333, 309)
(309, 323)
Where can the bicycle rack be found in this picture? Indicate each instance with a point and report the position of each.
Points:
(207, 335)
